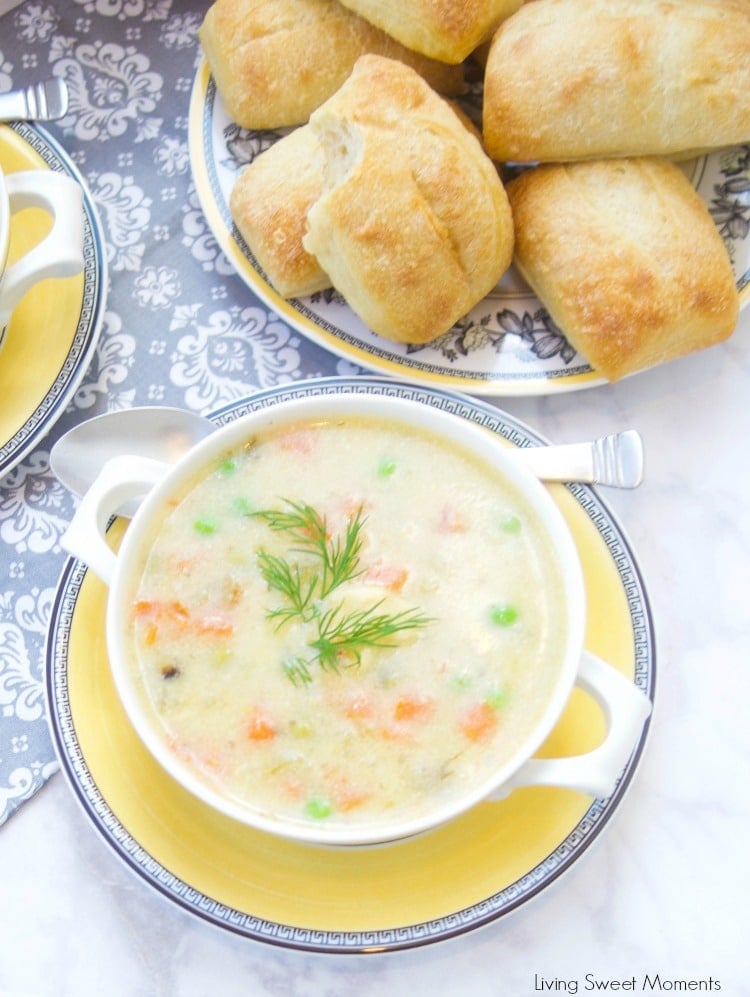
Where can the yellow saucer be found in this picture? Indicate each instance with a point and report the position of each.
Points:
(52, 332)
(467, 873)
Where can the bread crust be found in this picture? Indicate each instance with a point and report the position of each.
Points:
(414, 226)
(275, 61)
(269, 204)
(448, 30)
(579, 79)
(626, 258)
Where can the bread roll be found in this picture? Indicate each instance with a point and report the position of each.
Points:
(626, 258)
(414, 226)
(269, 204)
(275, 61)
(580, 79)
(448, 30)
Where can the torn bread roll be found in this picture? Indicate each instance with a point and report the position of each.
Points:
(275, 61)
(269, 204)
(414, 226)
(448, 30)
(580, 79)
(626, 258)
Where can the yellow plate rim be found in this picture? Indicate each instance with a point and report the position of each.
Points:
(84, 332)
(308, 938)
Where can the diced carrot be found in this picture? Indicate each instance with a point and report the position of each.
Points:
(451, 521)
(260, 728)
(175, 613)
(213, 625)
(389, 575)
(410, 708)
(155, 607)
(478, 721)
(358, 708)
(347, 796)
(298, 441)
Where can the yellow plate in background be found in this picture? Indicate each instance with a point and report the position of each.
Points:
(470, 872)
(53, 331)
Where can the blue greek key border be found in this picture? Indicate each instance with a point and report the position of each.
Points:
(353, 942)
(92, 307)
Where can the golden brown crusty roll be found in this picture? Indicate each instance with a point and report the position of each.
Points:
(626, 258)
(275, 61)
(580, 79)
(448, 30)
(414, 226)
(269, 204)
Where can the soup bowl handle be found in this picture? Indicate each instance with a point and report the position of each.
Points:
(120, 479)
(60, 253)
(626, 709)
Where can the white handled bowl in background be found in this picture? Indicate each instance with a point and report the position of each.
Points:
(59, 253)
(624, 706)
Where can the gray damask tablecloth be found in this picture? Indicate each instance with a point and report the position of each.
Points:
(179, 327)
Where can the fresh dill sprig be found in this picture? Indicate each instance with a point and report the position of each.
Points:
(341, 637)
(297, 671)
(287, 580)
(299, 519)
(339, 558)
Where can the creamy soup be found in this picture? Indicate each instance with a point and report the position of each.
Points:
(348, 622)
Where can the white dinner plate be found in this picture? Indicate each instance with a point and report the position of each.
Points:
(507, 345)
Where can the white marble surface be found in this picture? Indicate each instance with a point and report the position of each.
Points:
(664, 891)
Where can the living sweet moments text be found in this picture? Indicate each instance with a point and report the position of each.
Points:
(646, 983)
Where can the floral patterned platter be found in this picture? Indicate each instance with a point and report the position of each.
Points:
(476, 870)
(53, 331)
(507, 345)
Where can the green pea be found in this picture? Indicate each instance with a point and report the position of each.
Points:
(496, 699)
(510, 523)
(318, 809)
(504, 615)
(242, 505)
(227, 466)
(205, 526)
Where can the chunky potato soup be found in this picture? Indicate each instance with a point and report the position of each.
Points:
(347, 622)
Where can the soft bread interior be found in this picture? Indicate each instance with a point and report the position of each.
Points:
(269, 204)
(414, 226)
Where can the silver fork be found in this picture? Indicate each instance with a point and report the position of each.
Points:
(615, 460)
(45, 101)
